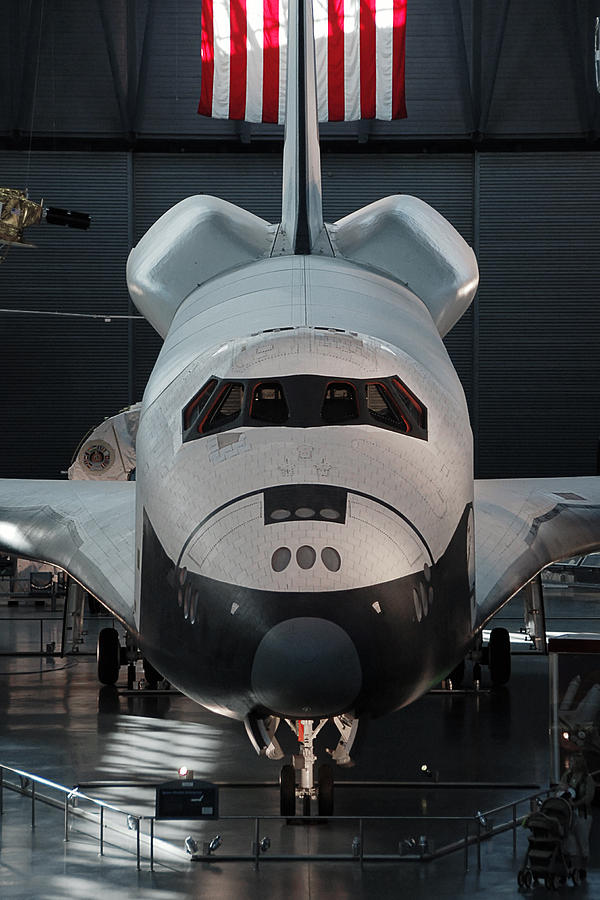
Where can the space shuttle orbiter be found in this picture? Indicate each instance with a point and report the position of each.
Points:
(305, 539)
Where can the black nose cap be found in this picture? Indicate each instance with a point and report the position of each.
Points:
(306, 667)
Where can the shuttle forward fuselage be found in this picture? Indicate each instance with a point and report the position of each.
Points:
(319, 560)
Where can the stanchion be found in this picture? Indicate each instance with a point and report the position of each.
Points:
(152, 844)
(256, 842)
(101, 831)
(361, 837)
(137, 843)
(66, 835)
(466, 846)
(514, 817)
(33, 804)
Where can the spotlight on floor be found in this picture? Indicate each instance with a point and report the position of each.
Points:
(428, 773)
(214, 844)
(408, 845)
(191, 846)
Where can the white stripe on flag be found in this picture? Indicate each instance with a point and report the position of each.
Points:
(254, 57)
(321, 19)
(283, 19)
(352, 59)
(221, 16)
(384, 21)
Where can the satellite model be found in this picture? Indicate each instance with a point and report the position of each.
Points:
(18, 212)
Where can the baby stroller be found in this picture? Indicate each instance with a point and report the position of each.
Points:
(547, 857)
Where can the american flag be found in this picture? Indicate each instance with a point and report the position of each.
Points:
(359, 51)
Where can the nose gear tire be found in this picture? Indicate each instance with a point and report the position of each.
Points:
(287, 791)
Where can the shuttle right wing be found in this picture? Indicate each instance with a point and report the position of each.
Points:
(523, 525)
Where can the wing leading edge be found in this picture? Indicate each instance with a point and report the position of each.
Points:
(522, 525)
(84, 527)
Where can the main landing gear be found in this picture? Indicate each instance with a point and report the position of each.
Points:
(496, 656)
(297, 779)
(111, 656)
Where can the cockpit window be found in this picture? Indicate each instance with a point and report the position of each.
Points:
(304, 401)
(195, 406)
(339, 404)
(411, 404)
(226, 408)
(268, 403)
(383, 407)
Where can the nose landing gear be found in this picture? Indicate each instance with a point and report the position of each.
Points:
(297, 780)
(303, 768)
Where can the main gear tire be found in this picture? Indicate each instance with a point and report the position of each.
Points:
(108, 655)
(499, 656)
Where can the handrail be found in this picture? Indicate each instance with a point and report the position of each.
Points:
(483, 831)
(72, 793)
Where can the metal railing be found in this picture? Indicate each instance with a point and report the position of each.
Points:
(474, 829)
(48, 647)
(33, 620)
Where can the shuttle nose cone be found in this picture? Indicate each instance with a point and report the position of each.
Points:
(306, 667)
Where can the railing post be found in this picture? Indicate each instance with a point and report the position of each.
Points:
(101, 831)
(137, 843)
(514, 811)
(152, 844)
(256, 842)
(466, 846)
(361, 838)
(66, 835)
(478, 844)
(33, 804)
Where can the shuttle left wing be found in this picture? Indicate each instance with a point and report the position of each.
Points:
(523, 525)
(84, 527)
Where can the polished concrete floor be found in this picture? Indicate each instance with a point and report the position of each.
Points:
(55, 723)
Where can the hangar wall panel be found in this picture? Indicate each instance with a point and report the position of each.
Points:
(61, 375)
(538, 368)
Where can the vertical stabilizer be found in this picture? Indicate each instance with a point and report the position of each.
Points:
(302, 230)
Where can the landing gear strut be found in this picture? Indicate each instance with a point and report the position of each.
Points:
(297, 779)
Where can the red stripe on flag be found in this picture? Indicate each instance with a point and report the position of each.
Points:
(368, 58)
(398, 54)
(335, 61)
(237, 61)
(270, 111)
(207, 55)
